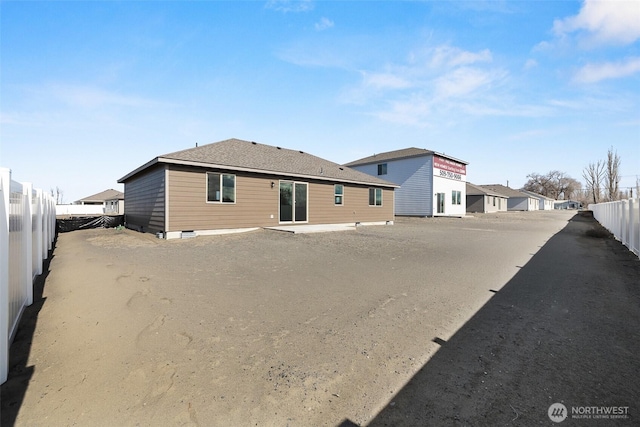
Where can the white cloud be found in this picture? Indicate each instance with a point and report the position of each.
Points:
(593, 73)
(531, 63)
(431, 81)
(417, 90)
(385, 80)
(323, 24)
(447, 56)
(610, 21)
(290, 5)
(462, 81)
(414, 112)
(543, 46)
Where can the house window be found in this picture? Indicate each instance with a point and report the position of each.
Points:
(221, 187)
(338, 194)
(494, 200)
(382, 169)
(375, 197)
(456, 197)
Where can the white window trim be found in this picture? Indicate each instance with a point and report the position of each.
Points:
(454, 200)
(375, 205)
(220, 202)
(341, 195)
(294, 205)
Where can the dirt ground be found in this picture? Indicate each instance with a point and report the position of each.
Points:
(485, 320)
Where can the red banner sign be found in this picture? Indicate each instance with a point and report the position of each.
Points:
(449, 165)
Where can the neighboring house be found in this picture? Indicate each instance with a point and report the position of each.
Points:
(545, 203)
(114, 206)
(236, 185)
(567, 204)
(110, 202)
(431, 184)
(101, 198)
(518, 201)
(484, 200)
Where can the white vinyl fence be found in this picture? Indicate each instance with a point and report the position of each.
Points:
(27, 232)
(80, 210)
(622, 219)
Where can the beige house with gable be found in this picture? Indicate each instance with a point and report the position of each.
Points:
(484, 200)
(237, 185)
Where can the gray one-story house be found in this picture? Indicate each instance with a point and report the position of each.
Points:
(237, 185)
(483, 200)
(518, 201)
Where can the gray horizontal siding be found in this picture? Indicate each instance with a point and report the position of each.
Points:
(144, 204)
(415, 177)
(476, 204)
(518, 203)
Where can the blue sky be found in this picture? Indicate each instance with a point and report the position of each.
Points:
(91, 90)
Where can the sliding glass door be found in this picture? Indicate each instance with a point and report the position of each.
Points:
(293, 201)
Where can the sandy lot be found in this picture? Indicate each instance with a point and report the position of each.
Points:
(380, 325)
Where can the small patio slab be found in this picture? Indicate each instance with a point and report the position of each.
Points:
(319, 228)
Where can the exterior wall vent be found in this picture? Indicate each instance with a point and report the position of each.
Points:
(187, 234)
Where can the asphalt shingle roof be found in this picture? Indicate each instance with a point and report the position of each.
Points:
(391, 155)
(475, 190)
(536, 195)
(237, 154)
(109, 194)
(507, 191)
(399, 154)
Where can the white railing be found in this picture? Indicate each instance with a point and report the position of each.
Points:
(27, 232)
(622, 219)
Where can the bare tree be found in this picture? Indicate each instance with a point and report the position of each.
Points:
(584, 196)
(554, 184)
(537, 183)
(593, 176)
(612, 175)
(569, 188)
(57, 194)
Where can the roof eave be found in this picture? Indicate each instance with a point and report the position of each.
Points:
(138, 170)
(411, 156)
(242, 169)
(371, 162)
(451, 158)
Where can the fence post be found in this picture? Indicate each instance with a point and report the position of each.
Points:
(38, 231)
(632, 226)
(27, 238)
(52, 223)
(47, 225)
(623, 223)
(634, 221)
(5, 192)
(617, 218)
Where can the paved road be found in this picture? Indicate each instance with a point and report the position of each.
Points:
(478, 321)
